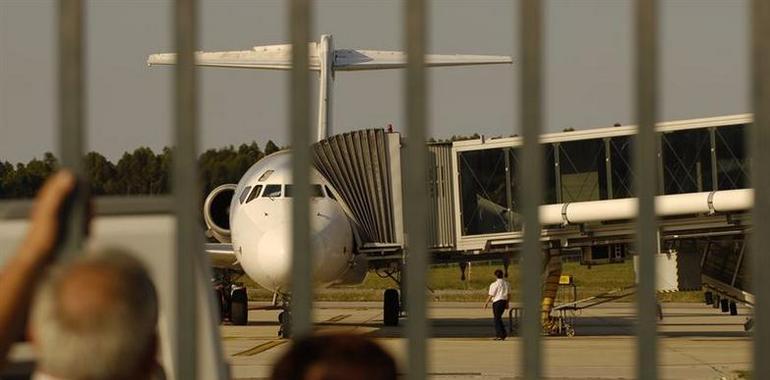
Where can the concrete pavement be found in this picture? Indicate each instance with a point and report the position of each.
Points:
(697, 342)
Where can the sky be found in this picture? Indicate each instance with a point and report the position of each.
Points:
(588, 68)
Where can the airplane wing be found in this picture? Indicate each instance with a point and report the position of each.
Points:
(222, 256)
(278, 57)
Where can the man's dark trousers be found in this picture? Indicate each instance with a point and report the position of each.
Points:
(498, 308)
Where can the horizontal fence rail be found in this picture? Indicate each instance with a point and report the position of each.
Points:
(101, 206)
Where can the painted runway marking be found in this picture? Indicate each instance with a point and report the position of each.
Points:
(261, 348)
(338, 318)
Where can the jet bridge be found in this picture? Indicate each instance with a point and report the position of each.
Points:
(365, 169)
(589, 199)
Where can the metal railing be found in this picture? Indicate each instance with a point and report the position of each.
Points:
(415, 197)
(645, 183)
(759, 137)
(531, 115)
(189, 258)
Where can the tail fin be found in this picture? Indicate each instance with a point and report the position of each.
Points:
(278, 57)
(326, 60)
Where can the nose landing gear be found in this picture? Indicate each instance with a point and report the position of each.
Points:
(284, 318)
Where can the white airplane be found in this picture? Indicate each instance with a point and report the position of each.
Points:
(252, 218)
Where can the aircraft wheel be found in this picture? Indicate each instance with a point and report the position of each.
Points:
(239, 307)
(725, 305)
(717, 302)
(749, 324)
(390, 308)
(219, 296)
(284, 318)
(708, 298)
(570, 332)
(733, 308)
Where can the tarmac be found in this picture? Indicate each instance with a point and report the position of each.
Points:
(696, 342)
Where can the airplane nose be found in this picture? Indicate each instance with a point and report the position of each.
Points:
(273, 257)
(269, 261)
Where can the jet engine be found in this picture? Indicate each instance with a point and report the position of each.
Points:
(216, 212)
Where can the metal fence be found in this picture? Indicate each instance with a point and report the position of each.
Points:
(189, 259)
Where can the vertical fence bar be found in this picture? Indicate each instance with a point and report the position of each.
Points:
(299, 120)
(759, 134)
(416, 199)
(530, 49)
(185, 186)
(72, 108)
(646, 180)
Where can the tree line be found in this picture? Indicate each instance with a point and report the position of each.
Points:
(141, 172)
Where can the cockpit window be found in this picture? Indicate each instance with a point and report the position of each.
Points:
(265, 175)
(254, 193)
(272, 191)
(329, 193)
(315, 191)
(244, 194)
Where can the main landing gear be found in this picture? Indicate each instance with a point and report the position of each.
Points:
(392, 299)
(391, 307)
(232, 300)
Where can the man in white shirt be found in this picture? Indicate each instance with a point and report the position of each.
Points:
(499, 295)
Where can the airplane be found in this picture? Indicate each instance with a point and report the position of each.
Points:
(251, 219)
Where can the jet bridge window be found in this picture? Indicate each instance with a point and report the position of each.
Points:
(315, 191)
(272, 191)
(622, 175)
(254, 193)
(732, 163)
(686, 161)
(244, 194)
(485, 196)
(582, 171)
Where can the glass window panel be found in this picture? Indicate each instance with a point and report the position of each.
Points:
(272, 191)
(254, 193)
(549, 189)
(549, 174)
(686, 161)
(483, 191)
(265, 175)
(723, 258)
(582, 170)
(513, 217)
(620, 161)
(244, 194)
(329, 193)
(732, 164)
(315, 191)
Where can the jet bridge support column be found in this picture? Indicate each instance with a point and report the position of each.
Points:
(551, 273)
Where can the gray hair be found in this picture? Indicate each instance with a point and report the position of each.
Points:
(110, 338)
